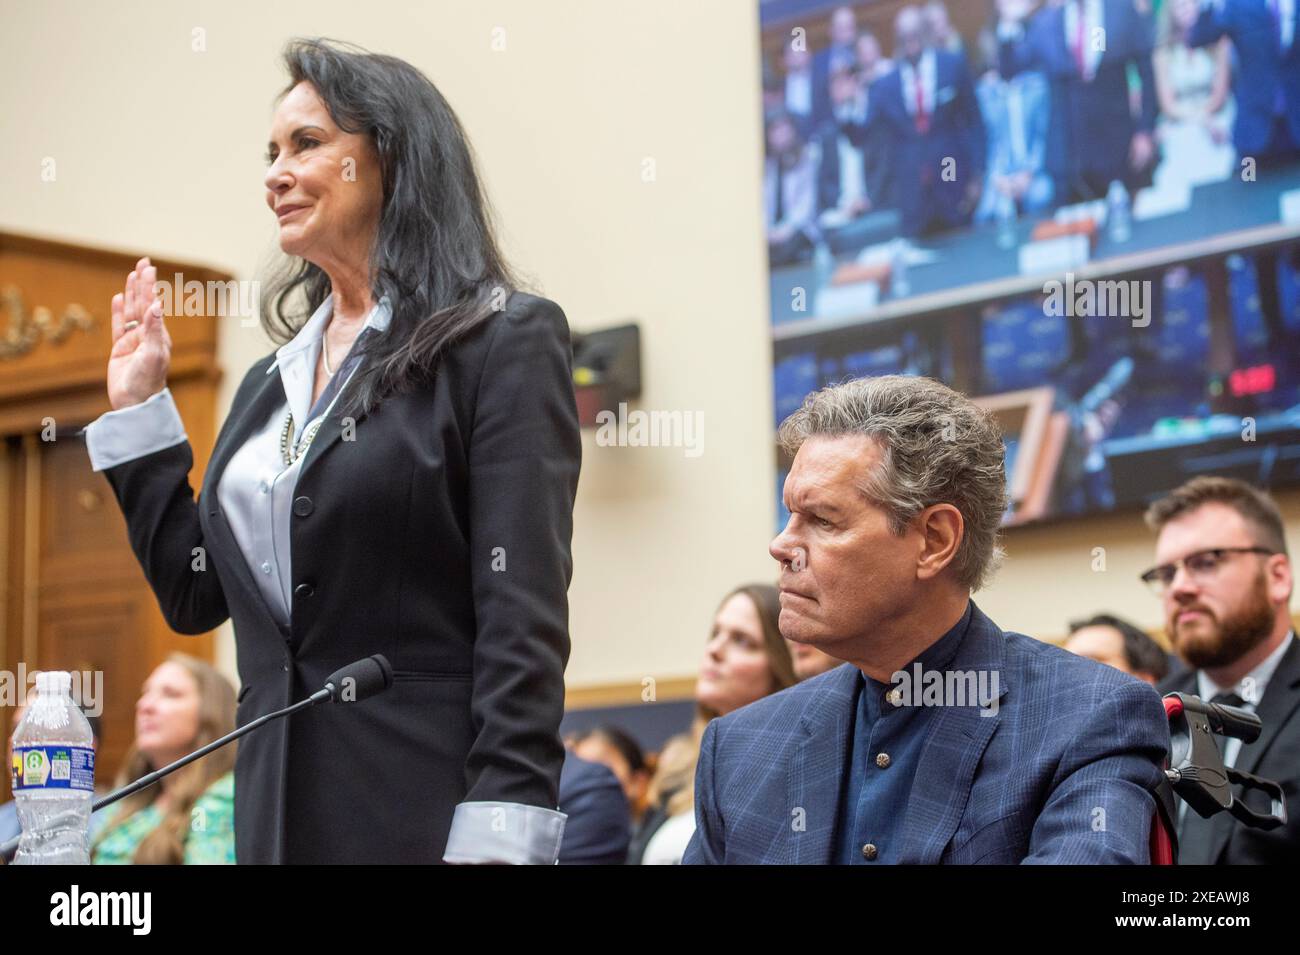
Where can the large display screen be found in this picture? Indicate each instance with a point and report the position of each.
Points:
(1082, 213)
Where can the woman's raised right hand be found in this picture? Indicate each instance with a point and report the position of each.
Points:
(137, 365)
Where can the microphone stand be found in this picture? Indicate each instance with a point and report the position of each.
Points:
(8, 849)
(158, 774)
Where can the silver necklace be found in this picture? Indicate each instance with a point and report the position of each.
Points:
(291, 452)
(288, 453)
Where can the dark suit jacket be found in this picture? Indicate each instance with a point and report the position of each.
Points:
(821, 90)
(394, 539)
(875, 170)
(1276, 756)
(956, 131)
(1024, 784)
(599, 826)
(1262, 69)
(1092, 123)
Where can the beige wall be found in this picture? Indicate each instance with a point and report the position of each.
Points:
(158, 150)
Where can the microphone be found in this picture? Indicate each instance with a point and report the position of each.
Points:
(1112, 383)
(350, 684)
(357, 681)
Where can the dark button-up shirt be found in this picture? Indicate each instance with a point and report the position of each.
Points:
(885, 748)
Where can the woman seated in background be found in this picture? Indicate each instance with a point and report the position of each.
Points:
(745, 660)
(188, 817)
(809, 661)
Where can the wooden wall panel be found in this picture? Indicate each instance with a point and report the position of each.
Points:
(72, 595)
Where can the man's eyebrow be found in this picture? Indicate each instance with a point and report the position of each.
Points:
(301, 129)
(809, 501)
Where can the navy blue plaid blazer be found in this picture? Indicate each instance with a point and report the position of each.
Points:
(1062, 772)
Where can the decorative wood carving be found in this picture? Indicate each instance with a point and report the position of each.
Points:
(22, 331)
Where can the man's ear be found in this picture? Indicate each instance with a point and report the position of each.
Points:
(942, 529)
(1278, 574)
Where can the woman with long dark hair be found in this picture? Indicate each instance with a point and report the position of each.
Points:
(397, 478)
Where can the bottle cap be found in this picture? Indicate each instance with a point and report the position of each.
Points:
(53, 681)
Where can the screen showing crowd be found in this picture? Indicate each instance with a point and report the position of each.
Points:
(1079, 211)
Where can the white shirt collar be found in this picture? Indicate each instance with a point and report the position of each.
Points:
(314, 330)
(924, 62)
(923, 73)
(1255, 681)
(296, 359)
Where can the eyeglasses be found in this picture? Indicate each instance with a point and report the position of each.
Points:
(1201, 566)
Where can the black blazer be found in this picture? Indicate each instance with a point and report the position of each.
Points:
(1276, 756)
(439, 535)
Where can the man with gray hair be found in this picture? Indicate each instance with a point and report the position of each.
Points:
(947, 739)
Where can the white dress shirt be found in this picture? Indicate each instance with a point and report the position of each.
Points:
(925, 73)
(1094, 32)
(256, 493)
(799, 93)
(1250, 689)
(798, 187)
(668, 845)
(853, 183)
(1285, 11)
(256, 488)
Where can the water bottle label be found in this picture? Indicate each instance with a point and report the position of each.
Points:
(54, 767)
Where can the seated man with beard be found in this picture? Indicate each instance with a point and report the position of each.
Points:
(1225, 579)
(948, 739)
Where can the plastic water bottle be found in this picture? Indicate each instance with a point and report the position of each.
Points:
(1118, 215)
(1006, 219)
(823, 263)
(53, 776)
(900, 286)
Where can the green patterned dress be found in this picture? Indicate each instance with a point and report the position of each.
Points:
(212, 830)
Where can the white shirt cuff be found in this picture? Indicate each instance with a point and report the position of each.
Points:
(116, 437)
(507, 832)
